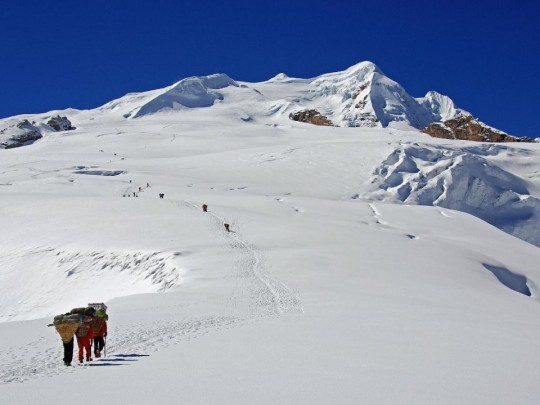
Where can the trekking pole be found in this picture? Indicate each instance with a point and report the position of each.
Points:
(105, 347)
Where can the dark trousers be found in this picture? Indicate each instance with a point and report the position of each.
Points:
(99, 343)
(68, 351)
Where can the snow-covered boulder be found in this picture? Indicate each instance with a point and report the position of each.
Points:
(59, 123)
(20, 134)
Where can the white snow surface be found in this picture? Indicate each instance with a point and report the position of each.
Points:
(361, 267)
(441, 106)
(360, 96)
(463, 179)
(193, 92)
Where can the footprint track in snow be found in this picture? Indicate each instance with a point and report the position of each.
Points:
(256, 296)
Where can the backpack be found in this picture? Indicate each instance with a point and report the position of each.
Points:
(84, 326)
(101, 314)
(97, 324)
(88, 311)
(98, 305)
(67, 325)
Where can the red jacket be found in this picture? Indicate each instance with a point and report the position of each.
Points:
(85, 331)
(99, 326)
(85, 328)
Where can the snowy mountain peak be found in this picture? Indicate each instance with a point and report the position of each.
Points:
(355, 74)
(279, 77)
(359, 96)
(442, 107)
(192, 92)
(363, 95)
(363, 68)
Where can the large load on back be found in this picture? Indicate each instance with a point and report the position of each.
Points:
(87, 311)
(66, 325)
(80, 320)
(85, 326)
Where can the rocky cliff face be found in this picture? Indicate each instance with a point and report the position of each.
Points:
(60, 123)
(311, 117)
(465, 127)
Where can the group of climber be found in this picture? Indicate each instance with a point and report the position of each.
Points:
(88, 325)
(227, 226)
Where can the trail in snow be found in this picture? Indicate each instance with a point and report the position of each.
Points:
(261, 294)
(256, 295)
(386, 225)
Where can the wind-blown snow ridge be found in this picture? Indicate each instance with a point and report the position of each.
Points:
(89, 274)
(460, 179)
(192, 92)
(441, 106)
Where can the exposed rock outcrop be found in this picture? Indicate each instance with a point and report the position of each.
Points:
(311, 117)
(59, 123)
(23, 133)
(465, 127)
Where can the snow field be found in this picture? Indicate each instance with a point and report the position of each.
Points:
(330, 288)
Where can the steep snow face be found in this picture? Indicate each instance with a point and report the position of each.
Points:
(344, 96)
(442, 107)
(364, 96)
(393, 104)
(193, 92)
(460, 179)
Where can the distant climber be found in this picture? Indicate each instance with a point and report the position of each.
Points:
(205, 208)
(226, 227)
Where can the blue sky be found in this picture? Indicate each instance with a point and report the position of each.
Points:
(484, 55)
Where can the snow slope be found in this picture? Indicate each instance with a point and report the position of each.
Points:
(348, 275)
(193, 92)
(463, 179)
